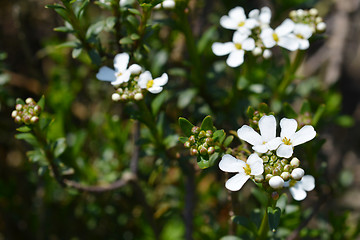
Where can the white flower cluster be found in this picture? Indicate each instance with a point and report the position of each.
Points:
(130, 81)
(253, 33)
(271, 160)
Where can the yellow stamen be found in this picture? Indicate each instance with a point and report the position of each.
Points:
(150, 83)
(118, 74)
(247, 169)
(299, 36)
(286, 141)
(292, 183)
(241, 24)
(238, 46)
(275, 37)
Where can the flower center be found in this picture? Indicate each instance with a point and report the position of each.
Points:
(292, 183)
(241, 24)
(286, 141)
(247, 169)
(150, 83)
(118, 74)
(300, 36)
(238, 46)
(275, 37)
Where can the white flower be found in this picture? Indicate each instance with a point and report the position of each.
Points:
(252, 167)
(236, 20)
(146, 81)
(281, 36)
(289, 138)
(121, 73)
(302, 33)
(167, 4)
(262, 17)
(299, 189)
(236, 49)
(261, 143)
(276, 182)
(297, 173)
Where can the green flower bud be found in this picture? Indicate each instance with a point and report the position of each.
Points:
(287, 168)
(195, 130)
(29, 101)
(203, 151)
(193, 151)
(211, 150)
(285, 175)
(192, 139)
(276, 171)
(34, 119)
(37, 109)
(295, 162)
(208, 140)
(268, 177)
(18, 119)
(209, 133)
(265, 158)
(283, 162)
(202, 134)
(268, 169)
(26, 119)
(18, 107)
(187, 144)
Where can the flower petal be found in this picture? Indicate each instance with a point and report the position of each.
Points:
(237, 14)
(236, 58)
(303, 29)
(262, 148)
(267, 126)
(221, 49)
(307, 183)
(121, 62)
(168, 4)
(248, 44)
(256, 164)
(249, 135)
(285, 27)
(274, 143)
(298, 193)
(265, 15)
(239, 36)
(155, 89)
(288, 127)
(288, 42)
(236, 182)
(144, 78)
(122, 78)
(135, 69)
(254, 13)
(229, 163)
(228, 23)
(267, 38)
(284, 151)
(106, 74)
(251, 23)
(305, 134)
(161, 81)
(303, 44)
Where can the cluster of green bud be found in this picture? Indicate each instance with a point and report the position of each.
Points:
(310, 17)
(27, 113)
(304, 119)
(127, 91)
(277, 170)
(200, 142)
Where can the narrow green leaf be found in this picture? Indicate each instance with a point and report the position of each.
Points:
(63, 29)
(218, 134)
(228, 140)
(76, 52)
(183, 139)
(250, 112)
(126, 40)
(134, 11)
(28, 137)
(95, 57)
(41, 102)
(207, 124)
(24, 129)
(36, 156)
(319, 112)
(289, 111)
(59, 147)
(185, 126)
(203, 161)
(44, 122)
(81, 10)
(158, 102)
(20, 101)
(274, 218)
(206, 39)
(305, 108)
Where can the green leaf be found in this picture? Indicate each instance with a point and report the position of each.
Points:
(274, 218)
(95, 57)
(95, 28)
(345, 121)
(76, 52)
(263, 107)
(185, 126)
(134, 36)
(133, 20)
(245, 222)
(305, 108)
(81, 10)
(228, 140)
(185, 97)
(207, 124)
(281, 202)
(256, 217)
(213, 158)
(230, 238)
(63, 12)
(134, 11)
(289, 111)
(71, 44)
(42, 170)
(44, 122)
(250, 112)
(183, 139)
(20, 101)
(126, 40)
(203, 161)
(41, 102)
(24, 129)
(28, 137)
(63, 29)
(36, 156)
(259, 195)
(319, 112)
(158, 102)
(206, 39)
(59, 147)
(219, 135)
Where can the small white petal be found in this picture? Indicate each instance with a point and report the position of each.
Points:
(285, 27)
(122, 78)
(307, 183)
(238, 14)
(254, 13)
(239, 36)
(276, 182)
(236, 58)
(249, 135)
(144, 78)
(305, 134)
(236, 182)
(155, 89)
(161, 81)
(267, 126)
(106, 74)
(248, 44)
(267, 54)
(135, 69)
(228, 23)
(288, 127)
(260, 148)
(297, 173)
(267, 38)
(284, 151)
(303, 44)
(121, 62)
(221, 49)
(256, 164)
(168, 4)
(288, 42)
(298, 193)
(274, 143)
(303, 29)
(250, 23)
(229, 163)
(265, 15)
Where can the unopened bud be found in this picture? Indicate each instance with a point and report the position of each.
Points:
(321, 27)
(203, 151)
(268, 177)
(285, 175)
(192, 139)
(268, 169)
(209, 133)
(124, 96)
(275, 195)
(193, 151)
(208, 140)
(287, 168)
(17, 119)
(34, 119)
(276, 182)
(187, 144)
(26, 119)
(297, 173)
(14, 114)
(259, 178)
(195, 130)
(295, 162)
(211, 150)
(267, 54)
(119, 90)
(257, 51)
(318, 20)
(300, 13)
(292, 14)
(138, 96)
(29, 100)
(18, 107)
(37, 109)
(202, 134)
(115, 97)
(276, 171)
(313, 12)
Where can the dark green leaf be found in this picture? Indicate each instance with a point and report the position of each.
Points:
(274, 217)
(207, 124)
(263, 108)
(59, 147)
(183, 139)
(289, 111)
(134, 11)
(81, 10)
(305, 108)
(134, 36)
(185, 126)
(206, 39)
(213, 159)
(95, 57)
(250, 112)
(256, 217)
(20, 101)
(218, 135)
(95, 28)
(203, 161)
(44, 122)
(41, 102)
(126, 40)
(228, 140)
(36, 156)
(24, 129)
(63, 29)
(133, 20)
